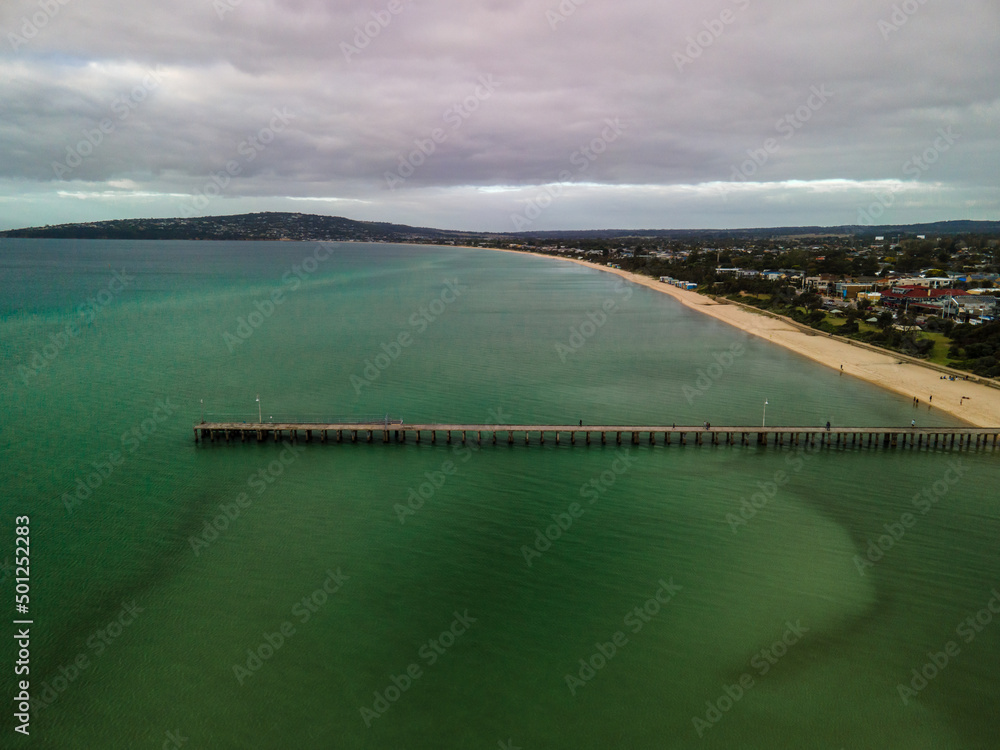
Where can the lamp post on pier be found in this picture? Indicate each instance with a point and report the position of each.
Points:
(260, 416)
(763, 422)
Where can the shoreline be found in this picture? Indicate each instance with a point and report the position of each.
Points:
(972, 403)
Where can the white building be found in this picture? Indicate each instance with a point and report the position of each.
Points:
(970, 305)
(930, 282)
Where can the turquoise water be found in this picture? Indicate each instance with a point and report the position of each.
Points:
(489, 337)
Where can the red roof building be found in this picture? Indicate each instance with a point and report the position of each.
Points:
(919, 298)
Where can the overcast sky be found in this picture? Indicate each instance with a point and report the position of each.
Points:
(502, 114)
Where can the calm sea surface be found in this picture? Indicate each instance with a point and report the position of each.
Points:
(356, 596)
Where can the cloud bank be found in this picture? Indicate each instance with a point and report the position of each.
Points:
(501, 114)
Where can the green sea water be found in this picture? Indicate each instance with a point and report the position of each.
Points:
(261, 596)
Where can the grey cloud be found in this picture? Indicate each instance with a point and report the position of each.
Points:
(750, 63)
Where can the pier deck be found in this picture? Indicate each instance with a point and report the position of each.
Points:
(944, 438)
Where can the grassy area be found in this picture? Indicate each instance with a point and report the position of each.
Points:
(938, 355)
(835, 320)
(749, 299)
(838, 320)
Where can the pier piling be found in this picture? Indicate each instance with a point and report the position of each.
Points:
(911, 438)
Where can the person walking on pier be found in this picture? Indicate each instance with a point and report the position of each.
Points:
(913, 423)
(828, 426)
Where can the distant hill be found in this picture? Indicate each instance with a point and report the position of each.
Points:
(312, 227)
(256, 226)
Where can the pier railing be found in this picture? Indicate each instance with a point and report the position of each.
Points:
(270, 419)
(387, 431)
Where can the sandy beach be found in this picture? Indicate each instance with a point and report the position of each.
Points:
(980, 407)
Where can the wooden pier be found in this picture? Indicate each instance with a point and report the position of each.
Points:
(929, 438)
